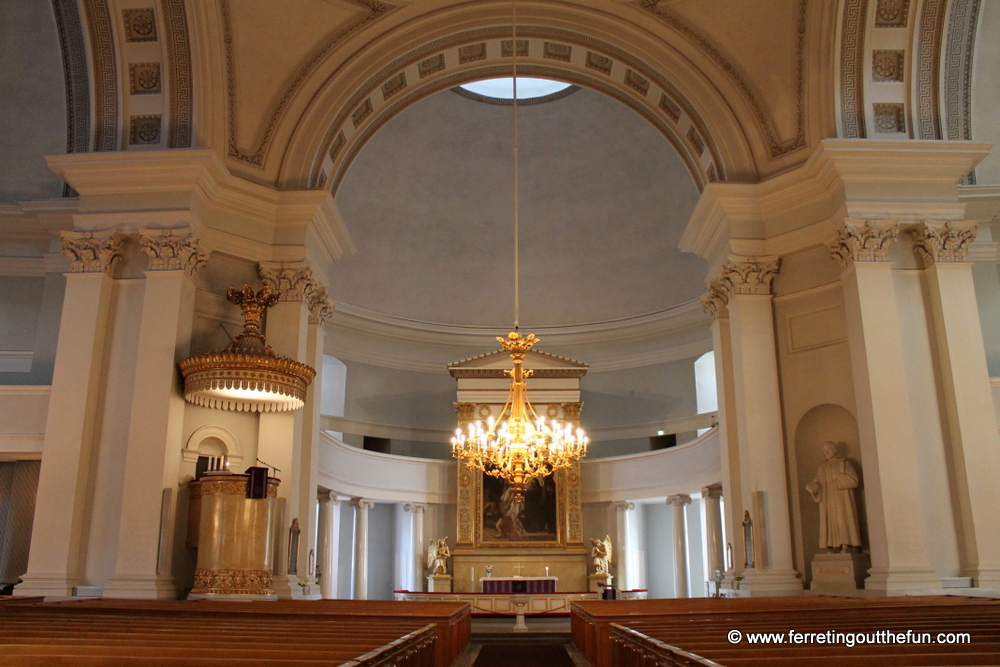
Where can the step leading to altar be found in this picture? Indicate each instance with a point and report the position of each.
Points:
(501, 603)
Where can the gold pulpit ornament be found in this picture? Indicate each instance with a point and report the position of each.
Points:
(247, 375)
(519, 445)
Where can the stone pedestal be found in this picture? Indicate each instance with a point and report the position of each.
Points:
(439, 583)
(520, 602)
(596, 581)
(234, 539)
(838, 573)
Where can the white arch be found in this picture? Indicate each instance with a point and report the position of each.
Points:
(192, 449)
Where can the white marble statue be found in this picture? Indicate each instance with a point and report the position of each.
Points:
(601, 555)
(833, 488)
(437, 556)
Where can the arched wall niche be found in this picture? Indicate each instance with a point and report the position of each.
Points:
(665, 77)
(208, 440)
(821, 424)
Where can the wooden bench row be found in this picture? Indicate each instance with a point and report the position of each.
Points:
(226, 634)
(669, 632)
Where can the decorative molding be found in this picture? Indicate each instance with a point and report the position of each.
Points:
(91, 252)
(179, 60)
(889, 117)
(144, 79)
(192, 450)
(661, 106)
(232, 582)
(715, 301)
(74, 59)
(852, 78)
(888, 65)
(173, 250)
(298, 282)
(945, 241)
(466, 412)
(144, 130)
(927, 70)
(864, 241)
(140, 24)
(254, 155)
(891, 13)
(105, 74)
(962, 26)
(748, 275)
(765, 122)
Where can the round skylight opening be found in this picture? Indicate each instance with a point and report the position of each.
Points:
(527, 88)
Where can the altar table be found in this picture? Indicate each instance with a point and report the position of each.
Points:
(518, 584)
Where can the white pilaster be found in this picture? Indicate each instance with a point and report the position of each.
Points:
(624, 547)
(893, 497)
(712, 495)
(747, 280)
(361, 506)
(329, 543)
(57, 560)
(972, 427)
(142, 564)
(678, 503)
(417, 545)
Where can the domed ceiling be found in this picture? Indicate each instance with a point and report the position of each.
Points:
(604, 199)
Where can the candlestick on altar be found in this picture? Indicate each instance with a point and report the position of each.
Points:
(546, 570)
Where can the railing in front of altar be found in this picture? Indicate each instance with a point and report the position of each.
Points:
(634, 649)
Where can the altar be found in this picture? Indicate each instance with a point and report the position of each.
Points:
(530, 585)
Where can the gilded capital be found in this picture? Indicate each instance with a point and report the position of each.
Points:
(91, 252)
(939, 241)
(715, 302)
(864, 241)
(748, 275)
(466, 411)
(173, 250)
(571, 411)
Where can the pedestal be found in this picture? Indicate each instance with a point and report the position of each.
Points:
(600, 581)
(520, 602)
(439, 583)
(234, 539)
(837, 573)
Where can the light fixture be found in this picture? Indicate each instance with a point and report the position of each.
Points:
(518, 445)
(247, 375)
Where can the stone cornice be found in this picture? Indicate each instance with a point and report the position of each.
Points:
(196, 180)
(945, 241)
(864, 241)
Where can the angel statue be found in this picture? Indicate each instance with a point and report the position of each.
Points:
(437, 556)
(601, 554)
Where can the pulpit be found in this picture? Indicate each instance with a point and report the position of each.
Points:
(233, 534)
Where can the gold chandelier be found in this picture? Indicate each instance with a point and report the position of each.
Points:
(247, 375)
(518, 445)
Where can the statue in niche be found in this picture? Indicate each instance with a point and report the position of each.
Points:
(833, 488)
(601, 555)
(437, 556)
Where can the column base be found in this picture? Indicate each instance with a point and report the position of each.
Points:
(50, 586)
(984, 577)
(143, 587)
(764, 583)
(886, 581)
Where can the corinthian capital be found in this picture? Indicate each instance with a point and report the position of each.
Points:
(298, 282)
(715, 301)
(91, 252)
(173, 250)
(939, 241)
(864, 241)
(748, 275)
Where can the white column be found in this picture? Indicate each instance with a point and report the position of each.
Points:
(62, 507)
(893, 498)
(142, 564)
(288, 440)
(417, 544)
(361, 506)
(714, 547)
(679, 502)
(974, 447)
(624, 546)
(759, 426)
(329, 543)
(714, 302)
